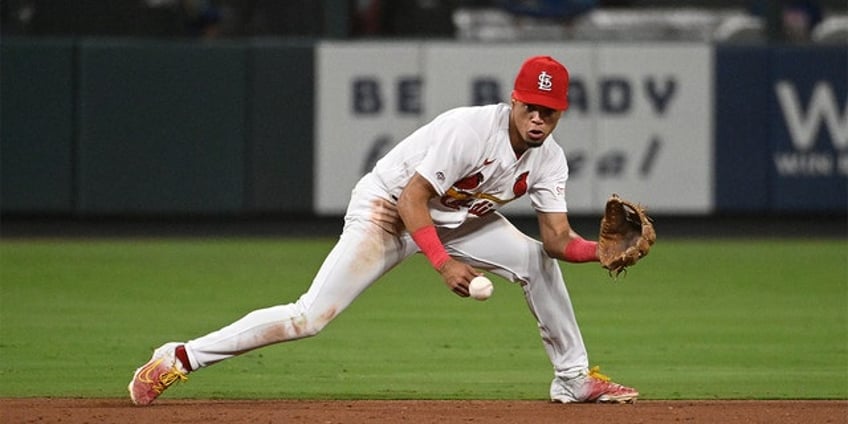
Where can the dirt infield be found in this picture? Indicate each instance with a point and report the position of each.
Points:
(74, 411)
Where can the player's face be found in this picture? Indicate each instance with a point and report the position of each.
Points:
(532, 125)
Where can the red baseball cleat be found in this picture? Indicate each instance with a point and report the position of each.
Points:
(160, 372)
(591, 387)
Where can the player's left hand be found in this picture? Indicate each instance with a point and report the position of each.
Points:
(626, 236)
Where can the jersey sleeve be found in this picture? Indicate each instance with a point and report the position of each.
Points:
(455, 148)
(548, 193)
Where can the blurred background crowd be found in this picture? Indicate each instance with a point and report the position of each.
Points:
(796, 21)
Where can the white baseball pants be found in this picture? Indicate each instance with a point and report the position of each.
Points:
(371, 244)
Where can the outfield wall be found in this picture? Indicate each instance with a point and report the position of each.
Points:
(113, 127)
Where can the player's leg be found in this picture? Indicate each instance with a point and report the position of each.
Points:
(368, 247)
(363, 253)
(494, 244)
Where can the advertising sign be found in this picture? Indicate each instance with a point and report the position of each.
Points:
(368, 98)
(809, 130)
(639, 124)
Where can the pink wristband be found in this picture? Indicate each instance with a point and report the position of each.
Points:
(429, 243)
(581, 250)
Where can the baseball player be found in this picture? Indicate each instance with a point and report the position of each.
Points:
(437, 192)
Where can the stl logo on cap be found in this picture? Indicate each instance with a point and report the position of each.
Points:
(545, 81)
(542, 81)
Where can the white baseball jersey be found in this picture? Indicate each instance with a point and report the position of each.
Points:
(466, 156)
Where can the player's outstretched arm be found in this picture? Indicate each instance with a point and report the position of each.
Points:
(560, 241)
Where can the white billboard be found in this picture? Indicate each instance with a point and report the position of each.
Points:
(640, 121)
(368, 99)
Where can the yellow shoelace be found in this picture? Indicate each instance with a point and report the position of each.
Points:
(595, 372)
(169, 378)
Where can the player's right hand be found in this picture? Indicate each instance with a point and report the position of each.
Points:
(457, 275)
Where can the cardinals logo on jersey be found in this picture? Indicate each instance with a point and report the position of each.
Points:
(462, 194)
(520, 186)
(470, 183)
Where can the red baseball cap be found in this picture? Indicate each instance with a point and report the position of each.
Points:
(542, 81)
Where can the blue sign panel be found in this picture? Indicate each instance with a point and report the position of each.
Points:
(741, 130)
(808, 130)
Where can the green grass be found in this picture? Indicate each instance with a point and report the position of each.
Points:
(699, 319)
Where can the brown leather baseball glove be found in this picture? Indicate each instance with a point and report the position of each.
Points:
(626, 236)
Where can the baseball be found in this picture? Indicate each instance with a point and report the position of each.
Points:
(480, 288)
